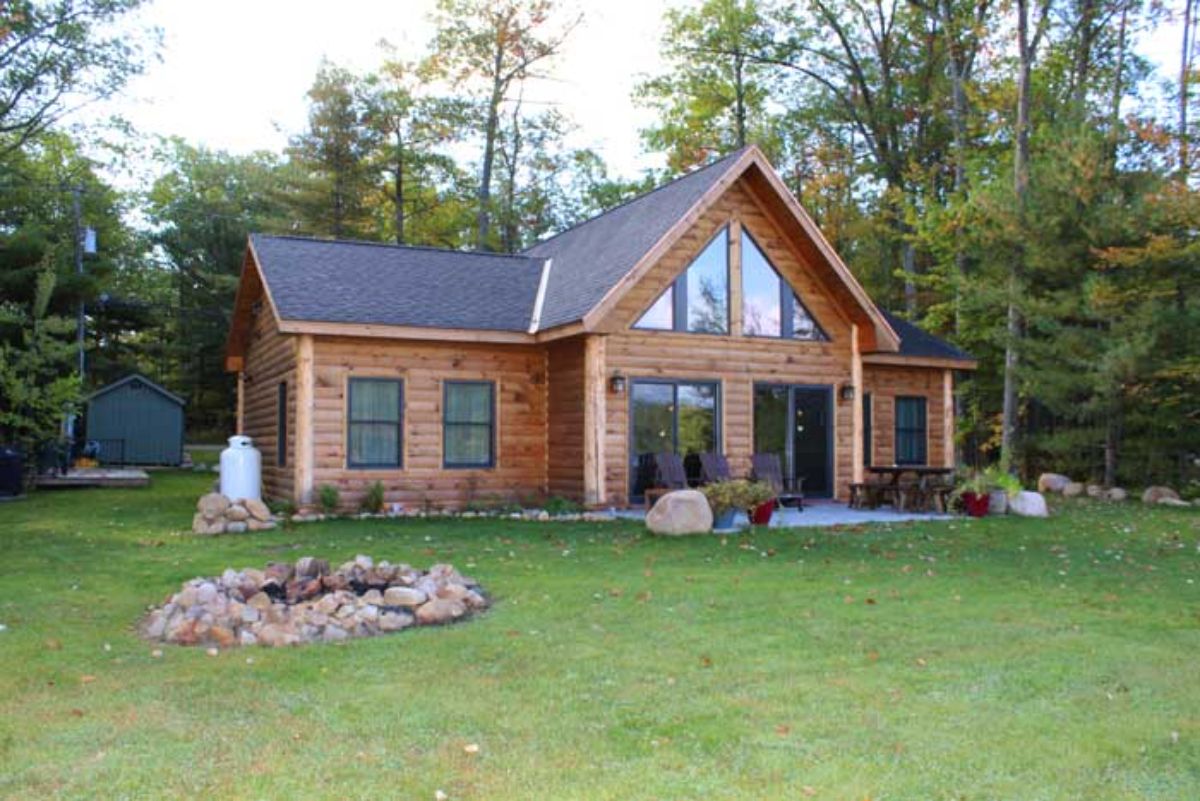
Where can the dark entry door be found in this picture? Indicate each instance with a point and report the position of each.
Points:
(796, 423)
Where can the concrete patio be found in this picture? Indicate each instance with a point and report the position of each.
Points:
(823, 514)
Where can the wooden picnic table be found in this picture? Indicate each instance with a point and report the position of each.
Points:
(923, 474)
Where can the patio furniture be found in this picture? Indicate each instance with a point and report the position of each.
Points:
(867, 494)
(909, 487)
(767, 467)
(714, 467)
(667, 474)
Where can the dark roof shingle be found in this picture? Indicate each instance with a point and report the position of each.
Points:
(320, 280)
(589, 259)
(918, 343)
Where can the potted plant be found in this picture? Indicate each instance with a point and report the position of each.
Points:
(973, 492)
(727, 498)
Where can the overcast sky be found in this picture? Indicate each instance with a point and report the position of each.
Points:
(234, 72)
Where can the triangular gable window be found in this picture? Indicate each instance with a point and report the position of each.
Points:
(770, 307)
(698, 300)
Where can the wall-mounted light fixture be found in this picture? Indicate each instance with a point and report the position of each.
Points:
(847, 392)
(617, 384)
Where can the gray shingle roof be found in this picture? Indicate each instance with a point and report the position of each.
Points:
(320, 280)
(589, 259)
(918, 343)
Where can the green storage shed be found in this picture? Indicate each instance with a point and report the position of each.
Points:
(135, 421)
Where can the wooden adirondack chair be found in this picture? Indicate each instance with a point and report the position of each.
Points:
(667, 473)
(714, 467)
(766, 467)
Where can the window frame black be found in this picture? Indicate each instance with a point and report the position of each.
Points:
(398, 464)
(491, 425)
(924, 430)
(679, 301)
(281, 424)
(788, 298)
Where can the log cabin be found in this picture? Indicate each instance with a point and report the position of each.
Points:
(709, 314)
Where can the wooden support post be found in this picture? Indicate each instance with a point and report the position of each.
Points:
(241, 403)
(856, 426)
(595, 392)
(735, 278)
(305, 446)
(948, 418)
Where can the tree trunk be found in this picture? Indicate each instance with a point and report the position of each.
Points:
(398, 195)
(1185, 69)
(484, 217)
(1008, 423)
(1112, 443)
(740, 98)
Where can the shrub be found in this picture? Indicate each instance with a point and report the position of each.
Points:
(557, 505)
(739, 494)
(330, 498)
(373, 501)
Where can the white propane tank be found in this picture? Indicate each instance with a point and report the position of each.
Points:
(241, 469)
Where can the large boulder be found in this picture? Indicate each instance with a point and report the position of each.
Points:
(1157, 494)
(1029, 504)
(1115, 494)
(1073, 489)
(1052, 482)
(679, 513)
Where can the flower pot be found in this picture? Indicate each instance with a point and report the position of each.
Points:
(761, 515)
(976, 503)
(725, 519)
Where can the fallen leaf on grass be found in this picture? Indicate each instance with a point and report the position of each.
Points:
(471, 748)
(87, 679)
(643, 597)
(783, 729)
(808, 791)
(53, 645)
(705, 661)
(77, 713)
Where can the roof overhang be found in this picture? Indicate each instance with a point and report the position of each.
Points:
(940, 363)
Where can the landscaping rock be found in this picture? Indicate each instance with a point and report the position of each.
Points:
(440, 610)
(235, 527)
(237, 513)
(213, 505)
(1052, 482)
(1157, 494)
(1116, 494)
(1029, 504)
(1177, 502)
(257, 509)
(1095, 491)
(403, 596)
(1073, 490)
(290, 604)
(259, 525)
(680, 513)
(202, 525)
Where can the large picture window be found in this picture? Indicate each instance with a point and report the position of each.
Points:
(698, 300)
(374, 426)
(910, 430)
(469, 424)
(770, 307)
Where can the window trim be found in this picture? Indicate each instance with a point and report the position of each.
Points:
(281, 424)
(399, 423)
(679, 301)
(868, 428)
(491, 425)
(924, 440)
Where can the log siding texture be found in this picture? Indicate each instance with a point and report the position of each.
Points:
(561, 429)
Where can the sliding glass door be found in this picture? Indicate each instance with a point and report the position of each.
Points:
(796, 423)
(680, 417)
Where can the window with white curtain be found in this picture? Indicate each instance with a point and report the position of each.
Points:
(375, 423)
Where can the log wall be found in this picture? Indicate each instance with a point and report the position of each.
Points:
(270, 360)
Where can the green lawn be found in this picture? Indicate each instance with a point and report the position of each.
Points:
(997, 659)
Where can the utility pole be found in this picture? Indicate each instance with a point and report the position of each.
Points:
(76, 202)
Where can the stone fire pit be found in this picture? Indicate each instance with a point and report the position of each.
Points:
(291, 604)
